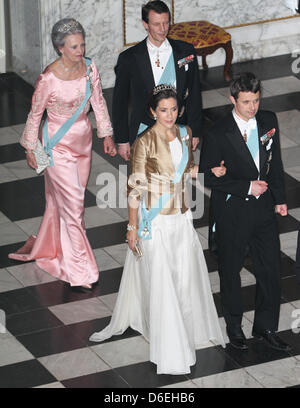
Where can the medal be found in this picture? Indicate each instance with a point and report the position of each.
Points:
(157, 62)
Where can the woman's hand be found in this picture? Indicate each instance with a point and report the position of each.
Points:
(109, 146)
(132, 238)
(219, 171)
(31, 161)
(194, 171)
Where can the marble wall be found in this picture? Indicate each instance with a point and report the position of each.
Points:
(25, 36)
(32, 21)
(134, 29)
(102, 20)
(219, 12)
(261, 41)
(230, 12)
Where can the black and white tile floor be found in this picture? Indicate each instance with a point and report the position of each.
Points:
(48, 326)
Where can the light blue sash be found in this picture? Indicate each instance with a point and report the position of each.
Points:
(169, 74)
(145, 230)
(168, 77)
(142, 128)
(50, 143)
(252, 144)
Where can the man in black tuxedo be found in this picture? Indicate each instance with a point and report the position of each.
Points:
(242, 207)
(139, 69)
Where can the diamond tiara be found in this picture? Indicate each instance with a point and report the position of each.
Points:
(163, 87)
(72, 25)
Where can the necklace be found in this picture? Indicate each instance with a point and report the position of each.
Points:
(75, 68)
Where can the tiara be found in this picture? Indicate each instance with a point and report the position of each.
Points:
(163, 87)
(72, 25)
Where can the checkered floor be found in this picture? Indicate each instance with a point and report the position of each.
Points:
(48, 326)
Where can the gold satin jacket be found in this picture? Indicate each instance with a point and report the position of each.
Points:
(152, 170)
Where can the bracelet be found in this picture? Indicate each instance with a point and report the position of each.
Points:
(28, 152)
(109, 136)
(131, 227)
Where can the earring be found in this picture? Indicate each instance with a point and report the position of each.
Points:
(154, 117)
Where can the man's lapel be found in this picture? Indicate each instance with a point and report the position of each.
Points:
(235, 137)
(144, 65)
(261, 131)
(180, 72)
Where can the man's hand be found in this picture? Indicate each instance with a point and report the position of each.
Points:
(124, 151)
(281, 209)
(109, 146)
(195, 143)
(219, 171)
(258, 187)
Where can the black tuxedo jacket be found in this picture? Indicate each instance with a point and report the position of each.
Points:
(135, 82)
(225, 142)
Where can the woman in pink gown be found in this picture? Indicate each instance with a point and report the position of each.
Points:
(61, 247)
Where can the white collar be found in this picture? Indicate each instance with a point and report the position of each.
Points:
(250, 124)
(164, 46)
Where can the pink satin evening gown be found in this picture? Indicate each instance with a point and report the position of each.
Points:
(61, 247)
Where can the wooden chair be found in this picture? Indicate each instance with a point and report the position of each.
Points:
(206, 38)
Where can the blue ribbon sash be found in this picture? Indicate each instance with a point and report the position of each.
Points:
(168, 77)
(50, 143)
(145, 230)
(169, 74)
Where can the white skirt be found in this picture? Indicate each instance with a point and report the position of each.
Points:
(166, 296)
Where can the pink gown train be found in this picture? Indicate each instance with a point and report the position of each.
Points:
(61, 247)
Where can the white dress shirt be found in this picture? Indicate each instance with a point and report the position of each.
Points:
(246, 127)
(162, 54)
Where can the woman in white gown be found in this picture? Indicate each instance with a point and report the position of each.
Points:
(164, 294)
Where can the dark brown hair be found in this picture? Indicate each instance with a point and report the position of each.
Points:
(157, 6)
(157, 97)
(244, 82)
